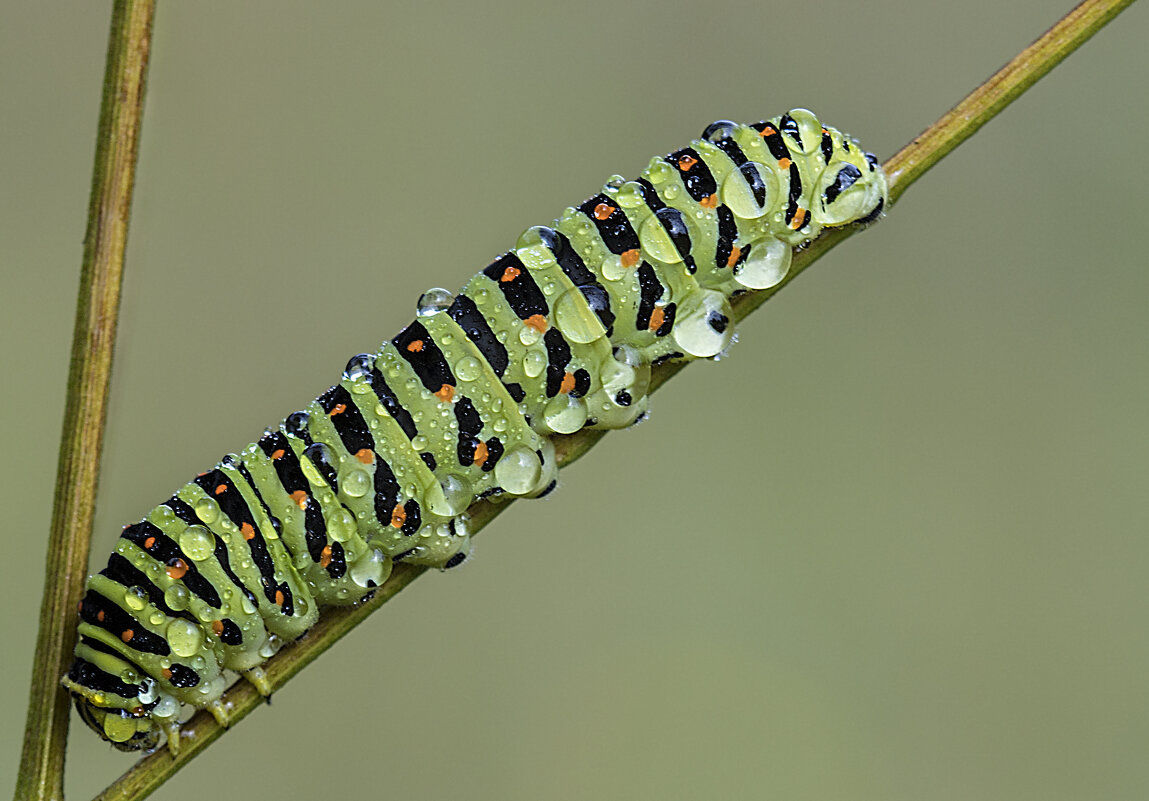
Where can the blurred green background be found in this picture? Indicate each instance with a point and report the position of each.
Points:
(893, 548)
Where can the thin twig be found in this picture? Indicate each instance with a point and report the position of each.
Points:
(903, 169)
(41, 774)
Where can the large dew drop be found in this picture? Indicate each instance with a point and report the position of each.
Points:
(454, 497)
(537, 247)
(355, 482)
(184, 637)
(197, 542)
(207, 510)
(433, 301)
(564, 414)
(750, 191)
(705, 324)
(519, 470)
(135, 598)
(575, 319)
(359, 367)
(766, 266)
(372, 570)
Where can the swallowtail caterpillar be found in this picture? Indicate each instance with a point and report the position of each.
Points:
(555, 335)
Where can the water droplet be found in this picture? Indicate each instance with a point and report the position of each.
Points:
(433, 301)
(666, 235)
(529, 335)
(296, 422)
(630, 195)
(341, 525)
(704, 324)
(355, 482)
(574, 317)
(230, 461)
(765, 266)
(184, 637)
(719, 130)
(454, 497)
(658, 171)
(519, 470)
(197, 542)
(809, 129)
(320, 455)
(468, 368)
(538, 246)
(150, 691)
(564, 414)
(207, 510)
(751, 191)
(372, 570)
(177, 597)
(135, 599)
(612, 268)
(534, 363)
(359, 367)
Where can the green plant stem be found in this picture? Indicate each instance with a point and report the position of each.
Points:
(906, 167)
(45, 733)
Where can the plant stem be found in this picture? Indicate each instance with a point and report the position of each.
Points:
(41, 774)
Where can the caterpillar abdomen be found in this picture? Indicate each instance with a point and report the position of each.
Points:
(553, 336)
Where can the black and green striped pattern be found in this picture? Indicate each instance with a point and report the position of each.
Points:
(553, 336)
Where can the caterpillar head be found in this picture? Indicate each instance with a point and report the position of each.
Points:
(852, 188)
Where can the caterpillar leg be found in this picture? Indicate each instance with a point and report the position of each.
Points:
(259, 680)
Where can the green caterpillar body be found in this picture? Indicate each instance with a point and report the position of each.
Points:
(555, 335)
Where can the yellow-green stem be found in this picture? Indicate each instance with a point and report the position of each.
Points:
(41, 774)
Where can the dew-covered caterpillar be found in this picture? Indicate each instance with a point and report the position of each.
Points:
(553, 336)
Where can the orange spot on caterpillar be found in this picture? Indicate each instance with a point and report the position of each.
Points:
(177, 569)
(769, 130)
(603, 211)
(365, 455)
(784, 163)
(100, 616)
(799, 218)
(510, 274)
(657, 318)
(415, 346)
(277, 454)
(127, 634)
(445, 393)
(149, 542)
(325, 556)
(217, 627)
(221, 489)
(735, 255)
(686, 163)
(537, 322)
(481, 454)
(340, 408)
(398, 516)
(709, 202)
(568, 383)
(248, 531)
(279, 598)
(629, 257)
(300, 498)
(166, 673)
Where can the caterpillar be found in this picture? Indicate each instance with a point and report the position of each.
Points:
(557, 334)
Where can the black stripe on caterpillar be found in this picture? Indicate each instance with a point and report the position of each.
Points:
(553, 336)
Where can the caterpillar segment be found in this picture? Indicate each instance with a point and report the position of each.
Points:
(555, 335)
